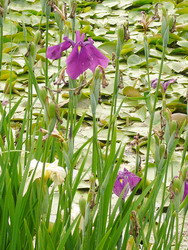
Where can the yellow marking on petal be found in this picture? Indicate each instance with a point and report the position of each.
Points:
(121, 181)
(79, 48)
(47, 174)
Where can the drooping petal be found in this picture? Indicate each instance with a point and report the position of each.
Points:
(96, 57)
(132, 179)
(119, 185)
(125, 180)
(55, 52)
(77, 62)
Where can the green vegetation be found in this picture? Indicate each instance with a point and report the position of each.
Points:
(64, 142)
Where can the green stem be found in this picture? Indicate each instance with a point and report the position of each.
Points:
(137, 159)
(146, 50)
(70, 129)
(177, 230)
(183, 223)
(94, 152)
(152, 119)
(114, 97)
(1, 42)
(47, 28)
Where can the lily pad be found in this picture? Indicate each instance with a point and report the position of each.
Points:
(131, 92)
(134, 60)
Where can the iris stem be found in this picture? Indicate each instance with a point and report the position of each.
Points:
(152, 119)
(114, 97)
(177, 230)
(48, 8)
(1, 42)
(146, 50)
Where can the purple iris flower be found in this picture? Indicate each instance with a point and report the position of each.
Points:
(84, 55)
(125, 179)
(164, 84)
(185, 189)
(167, 83)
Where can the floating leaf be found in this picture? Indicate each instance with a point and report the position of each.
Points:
(109, 47)
(183, 43)
(134, 60)
(6, 74)
(9, 27)
(178, 66)
(7, 47)
(131, 92)
(180, 119)
(111, 3)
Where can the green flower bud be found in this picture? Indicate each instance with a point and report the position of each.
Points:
(167, 115)
(121, 34)
(156, 140)
(177, 184)
(82, 205)
(32, 49)
(51, 110)
(37, 37)
(173, 126)
(97, 73)
(50, 227)
(171, 22)
(162, 149)
(43, 95)
(184, 173)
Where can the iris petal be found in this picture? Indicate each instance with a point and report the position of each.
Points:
(96, 57)
(185, 189)
(79, 37)
(55, 52)
(78, 61)
(125, 180)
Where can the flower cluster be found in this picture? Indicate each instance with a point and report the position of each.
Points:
(125, 180)
(164, 84)
(83, 56)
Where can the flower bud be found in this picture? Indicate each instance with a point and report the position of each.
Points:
(37, 37)
(184, 173)
(97, 73)
(50, 227)
(162, 149)
(51, 110)
(82, 206)
(32, 49)
(173, 126)
(121, 34)
(43, 95)
(177, 185)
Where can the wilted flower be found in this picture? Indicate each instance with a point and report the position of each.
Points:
(125, 179)
(164, 84)
(52, 171)
(83, 56)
